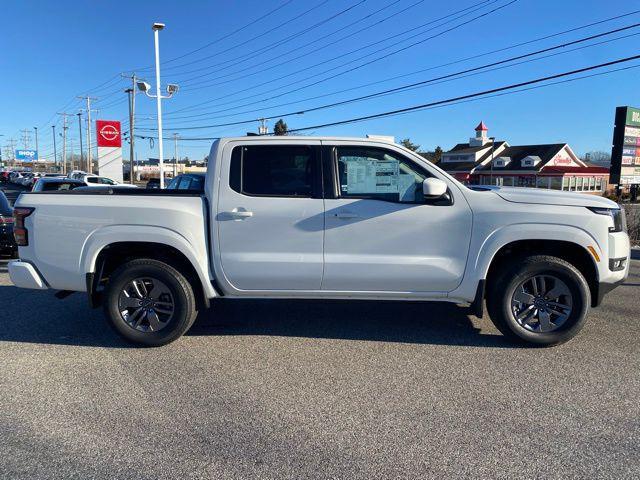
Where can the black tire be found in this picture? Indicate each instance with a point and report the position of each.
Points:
(184, 303)
(505, 283)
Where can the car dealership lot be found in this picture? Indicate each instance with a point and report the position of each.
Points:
(271, 389)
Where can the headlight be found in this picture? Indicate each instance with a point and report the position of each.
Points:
(617, 215)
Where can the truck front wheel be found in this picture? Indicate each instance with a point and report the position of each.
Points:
(149, 303)
(542, 300)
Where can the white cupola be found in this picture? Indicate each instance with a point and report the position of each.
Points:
(481, 137)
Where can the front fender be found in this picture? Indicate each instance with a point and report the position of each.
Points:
(484, 251)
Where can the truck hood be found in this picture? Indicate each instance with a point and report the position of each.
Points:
(551, 197)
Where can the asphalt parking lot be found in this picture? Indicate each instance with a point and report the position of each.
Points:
(266, 389)
(310, 389)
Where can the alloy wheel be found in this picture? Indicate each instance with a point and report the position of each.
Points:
(541, 303)
(146, 304)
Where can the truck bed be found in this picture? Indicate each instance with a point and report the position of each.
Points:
(77, 225)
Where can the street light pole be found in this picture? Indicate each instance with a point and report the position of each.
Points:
(156, 31)
(171, 90)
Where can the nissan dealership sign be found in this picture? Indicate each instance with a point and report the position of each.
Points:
(109, 138)
(108, 133)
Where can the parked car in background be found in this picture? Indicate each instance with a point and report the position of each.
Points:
(188, 181)
(97, 181)
(49, 184)
(31, 181)
(15, 177)
(24, 179)
(8, 244)
(153, 183)
(77, 174)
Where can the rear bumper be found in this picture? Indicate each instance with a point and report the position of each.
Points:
(24, 275)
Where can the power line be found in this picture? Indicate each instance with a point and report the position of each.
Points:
(199, 85)
(200, 104)
(224, 37)
(496, 92)
(471, 95)
(357, 87)
(282, 41)
(251, 56)
(417, 84)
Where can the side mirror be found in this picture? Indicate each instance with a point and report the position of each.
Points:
(433, 188)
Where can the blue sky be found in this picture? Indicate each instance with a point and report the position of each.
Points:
(53, 51)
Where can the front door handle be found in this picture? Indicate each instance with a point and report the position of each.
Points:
(235, 213)
(346, 215)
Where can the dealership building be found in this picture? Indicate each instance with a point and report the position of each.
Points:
(484, 161)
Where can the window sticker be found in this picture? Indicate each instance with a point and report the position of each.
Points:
(367, 175)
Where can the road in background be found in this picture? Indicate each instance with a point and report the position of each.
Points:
(311, 389)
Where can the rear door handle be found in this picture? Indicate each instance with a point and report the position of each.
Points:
(346, 215)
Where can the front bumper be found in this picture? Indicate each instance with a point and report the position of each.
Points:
(24, 275)
(610, 276)
(603, 289)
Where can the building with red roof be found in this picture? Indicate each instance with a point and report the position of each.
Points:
(484, 161)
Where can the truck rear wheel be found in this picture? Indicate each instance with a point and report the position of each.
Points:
(541, 300)
(149, 303)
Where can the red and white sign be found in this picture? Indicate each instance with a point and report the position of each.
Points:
(108, 133)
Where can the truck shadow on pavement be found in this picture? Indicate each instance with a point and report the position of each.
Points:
(378, 321)
(38, 317)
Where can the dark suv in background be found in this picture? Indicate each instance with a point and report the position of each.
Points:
(7, 242)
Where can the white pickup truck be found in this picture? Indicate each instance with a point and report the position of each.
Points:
(335, 218)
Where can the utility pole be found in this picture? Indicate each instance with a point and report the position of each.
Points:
(175, 155)
(26, 138)
(89, 164)
(35, 129)
(132, 114)
(263, 129)
(55, 151)
(12, 150)
(81, 162)
(64, 139)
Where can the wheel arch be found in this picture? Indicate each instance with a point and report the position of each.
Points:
(106, 249)
(572, 252)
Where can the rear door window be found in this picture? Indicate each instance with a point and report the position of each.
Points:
(277, 171)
